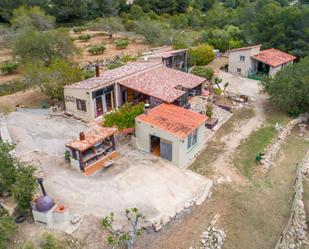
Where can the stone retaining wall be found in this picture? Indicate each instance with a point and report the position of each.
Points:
(275, 146)
(294, 233)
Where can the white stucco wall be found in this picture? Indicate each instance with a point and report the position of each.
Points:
(274, 70)
(70, 96)
(180, 156)
(245, 66)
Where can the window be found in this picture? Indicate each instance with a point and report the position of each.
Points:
(192, 139)
(81, 105)
(238, 70)
(242, 58)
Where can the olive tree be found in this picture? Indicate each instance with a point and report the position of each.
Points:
(32, 45)
(109, 24)
(32, 17)
(134, 216)
(51, 79)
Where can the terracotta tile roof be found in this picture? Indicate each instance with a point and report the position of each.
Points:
(91, 138)
(173, 119)
(112, 75)
(273, 57)
(245, 48)
(161, 82)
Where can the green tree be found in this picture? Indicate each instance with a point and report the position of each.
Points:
(51, 79)
(153, 32)
(110, 25)
(136, 12)
(68, 10)
(32, 17)
(201, 54)
(289, 88)
(7, 167)
(31, 45)
(24, 186)
(7, 228)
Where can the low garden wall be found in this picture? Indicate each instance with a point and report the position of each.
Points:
(294, 233)
(275, 146)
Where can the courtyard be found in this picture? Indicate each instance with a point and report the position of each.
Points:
(159, 189)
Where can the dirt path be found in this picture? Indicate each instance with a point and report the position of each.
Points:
(222, 165)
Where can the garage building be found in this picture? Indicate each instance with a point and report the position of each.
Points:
(171, 132)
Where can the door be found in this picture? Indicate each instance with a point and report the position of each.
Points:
(166, 150)
(99, 106)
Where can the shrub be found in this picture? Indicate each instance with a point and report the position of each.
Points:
(78, 29)
(7, 228)
(209, 110)
(124, 117)
(130, 25)
(217, 91)
(9, 67)
(85, 37)
(122, 43)
(50, 242)
(203, 72)
(12, 87)
(126, 58)
(88, 73)
(97, 49)
(115, 64)
(201, 54)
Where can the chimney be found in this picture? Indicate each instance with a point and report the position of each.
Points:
(40, 181)
(97, 71)
(81, 136)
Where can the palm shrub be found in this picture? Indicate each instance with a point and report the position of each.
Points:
(9, 67)
(97, 49)
(122, 43)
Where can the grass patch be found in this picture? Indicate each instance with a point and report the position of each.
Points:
(257, 213)
(245, 154)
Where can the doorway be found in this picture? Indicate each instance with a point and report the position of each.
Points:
(155, 145)
(99, 106)
(161, 147)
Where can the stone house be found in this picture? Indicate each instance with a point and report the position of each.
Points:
(151, 83)
(251, 61)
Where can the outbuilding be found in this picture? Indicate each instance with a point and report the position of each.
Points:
(171, 132)
(252, 62)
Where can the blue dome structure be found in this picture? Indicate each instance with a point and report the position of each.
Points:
(44, 203)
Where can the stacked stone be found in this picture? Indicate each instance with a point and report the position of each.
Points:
(295, 231)
(213, 238)
(273, 149)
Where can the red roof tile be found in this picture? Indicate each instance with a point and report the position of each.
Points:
(91, 138)
(245, 48)
(173, 119)
(273, 57)
(110, 76)
(161, 82)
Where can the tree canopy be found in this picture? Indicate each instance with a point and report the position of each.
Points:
(289, 89)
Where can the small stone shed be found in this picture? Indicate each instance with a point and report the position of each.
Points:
(171, 132)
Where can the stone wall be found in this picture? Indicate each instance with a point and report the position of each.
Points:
(294, 233)
(275, 146)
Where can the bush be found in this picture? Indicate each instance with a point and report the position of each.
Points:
(88, 73)
(12, 87)
(78, 29)
(130, 25)
(97, 49)
(115, 64)
(85, 37)
(9, 67)
(7, 228)
(201, 54)
(126, 58)
(50, 242)
(124, 117)
(122, 43)
(207, 73)
(217, 91)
